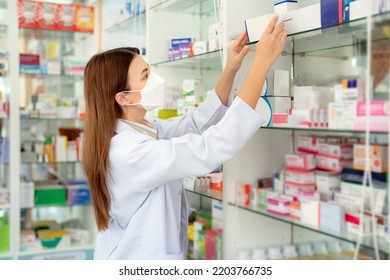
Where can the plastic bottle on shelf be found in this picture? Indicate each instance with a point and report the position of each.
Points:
(243, 255)
(289, 252)
(258, 254)
(335, 252)
(348, 250)
(305, 251)
(320, 251)
(274, 253)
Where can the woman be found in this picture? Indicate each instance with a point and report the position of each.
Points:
(134, 168)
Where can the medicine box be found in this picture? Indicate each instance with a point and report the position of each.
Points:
(295, 210)
(54, 238)
(285, 6)
(278, 206)
(342, 115)
(302, 19)
(354, 221)
(327, 184)
(78, 194)
(335, 150)
(50, 195)
(379, 115)
(332, 217)
(4, 236)
(300, 161)
(215, 36)
(29, 63)
(332, 12)
(256, 26)
(309, 144)
(309, 97)
(310, 212)
(216, 181)
(332, 164)
(300, 177)
(378, 156)
(278, 82)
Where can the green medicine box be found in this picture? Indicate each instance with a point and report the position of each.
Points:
(50, 195)
(4, 234)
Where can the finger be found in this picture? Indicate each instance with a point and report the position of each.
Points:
(240, 41)
(243, 53)
(243, 39)
(282, 38)
(271, 24)
(278, 29)
(282, 35)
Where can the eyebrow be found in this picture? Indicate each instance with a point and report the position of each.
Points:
(145, 69)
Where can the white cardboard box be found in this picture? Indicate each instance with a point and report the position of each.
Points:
(278, 83)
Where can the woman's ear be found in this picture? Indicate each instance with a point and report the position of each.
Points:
(121, 99)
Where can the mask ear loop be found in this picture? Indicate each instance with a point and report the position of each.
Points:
(130, 91)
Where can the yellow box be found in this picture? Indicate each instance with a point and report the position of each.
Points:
(378, 155)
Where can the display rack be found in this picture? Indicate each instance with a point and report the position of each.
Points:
(25, 126)
(339, 49)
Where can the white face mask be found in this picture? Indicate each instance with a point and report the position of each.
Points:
(153, 93)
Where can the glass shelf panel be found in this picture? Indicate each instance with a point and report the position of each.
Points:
(338, 36)
(216, 195)
(205, 61)
(3, 29)
(57, 205)
(52, 76)
(55, 162)
(27, 118)
(138, 19)
(46, 34)
(341, 236)
(57, 250)
(196, 7)
(329, 130)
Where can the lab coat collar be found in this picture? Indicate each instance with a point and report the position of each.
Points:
(125, 125)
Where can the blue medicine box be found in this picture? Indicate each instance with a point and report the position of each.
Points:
(177, 42)
(334, 12)
(78, 194)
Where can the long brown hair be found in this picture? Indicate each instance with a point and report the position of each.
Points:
(104, 76)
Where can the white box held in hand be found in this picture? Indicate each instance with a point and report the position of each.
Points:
(255, 26)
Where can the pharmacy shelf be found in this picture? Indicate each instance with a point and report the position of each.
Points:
(137, 19)
(216, 195)
(52, 76)
(335, 41)
(326, 130)
(56, 205)
(5, 256)
(58, 250)
(383, 249)
(195, 7)
(48, 34)
(52, 162)
(28, 118)
(3, 29)
(206, 61)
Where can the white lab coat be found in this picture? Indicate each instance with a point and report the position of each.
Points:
(148, 206)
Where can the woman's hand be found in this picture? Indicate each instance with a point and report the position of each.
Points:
(271, 44)
(236, 53)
